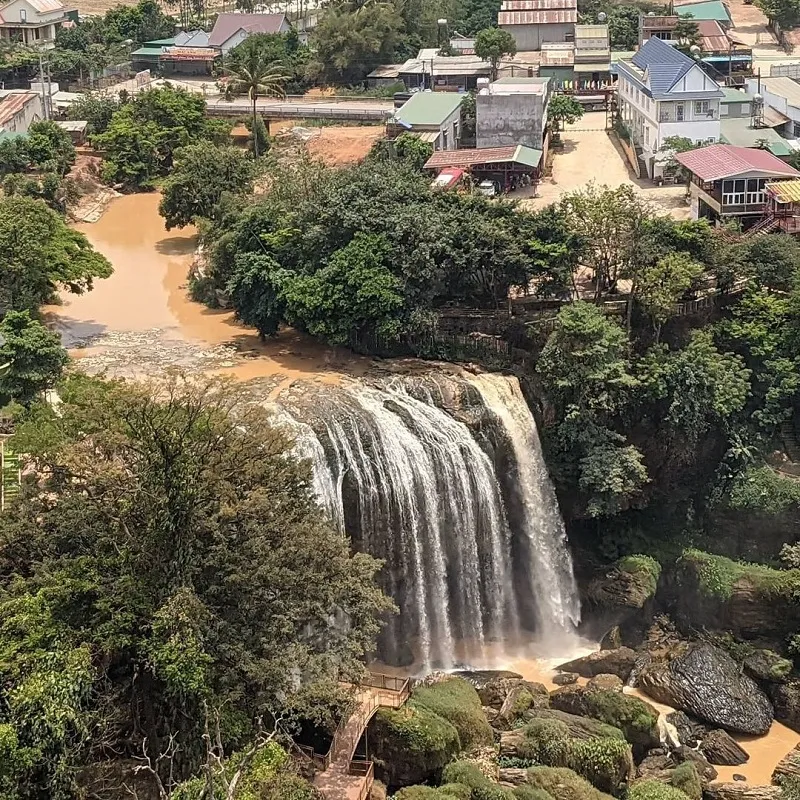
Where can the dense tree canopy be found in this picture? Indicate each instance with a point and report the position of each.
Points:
(165, 562)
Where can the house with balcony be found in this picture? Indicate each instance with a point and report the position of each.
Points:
(728, 183)
(782, 209)
(33, 22)
(661, 93)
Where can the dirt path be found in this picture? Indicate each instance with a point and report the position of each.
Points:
(590, 154)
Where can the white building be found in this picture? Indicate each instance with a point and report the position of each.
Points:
(32, 22)
(782, 94)
(663, 93)
(18, 109)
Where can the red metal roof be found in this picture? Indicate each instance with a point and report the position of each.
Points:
(537, 17)
(725, 160)
(229, 23)
(12, 104)
(713, 36)
(468, 158)
(538, 5)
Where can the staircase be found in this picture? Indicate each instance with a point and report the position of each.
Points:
(765, 225)
(9, 473)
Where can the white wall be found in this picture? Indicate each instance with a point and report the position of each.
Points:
(30, 112)
(695, 130)
(11, 13)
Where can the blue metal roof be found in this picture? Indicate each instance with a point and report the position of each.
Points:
(663, 62)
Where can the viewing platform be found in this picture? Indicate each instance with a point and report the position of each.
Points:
(341, 775)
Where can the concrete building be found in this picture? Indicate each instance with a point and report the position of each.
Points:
(662, 93)
(18, 109)
(534, 22)
(433, 116)
(33, 22)
(728, 183)
(512, 111)
(231, 29)
(741, 126)
(781, 94)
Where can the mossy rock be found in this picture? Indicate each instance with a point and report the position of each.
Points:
(579, 727)
(526, 792)
(768, 666)
(563, 784)
(457, 701)
(686, 778)
(606, 763)
(637, 720)
(654, 790)
(411, 745)
(628, 583)
(467, 773)
(451, 791)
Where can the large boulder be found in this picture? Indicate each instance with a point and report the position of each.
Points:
(411, 745)
(619, 662)
(629, 583)
(706, 682)
(786, 701)
(788, 766)
(637, 720)
(495, 687)
(578, 727)
(768, 666)
(561, 783)
(706, 772)
(719, 748)
(741, 791)
(603, 681)
(690, 731)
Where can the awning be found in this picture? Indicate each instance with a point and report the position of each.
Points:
(426, 136)
(600, 67)
(737, 59)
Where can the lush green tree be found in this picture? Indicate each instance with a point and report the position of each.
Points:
(563, 109)
(410, 149)
(40, 254)
(166, 563)
(658, 287)
(774, 260)
(472, 16)
(201, 173)
(96, 109)
(350, 44)
(141, 23)
(50, 147)
(686, 33)
(623, 27)
(34, 354)
(556, 250)
(13, 155)
(785, 12)
(251, 71)
(491, 44)
(611, 220)
(354, 292)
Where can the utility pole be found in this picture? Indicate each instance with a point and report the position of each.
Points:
(45, 97)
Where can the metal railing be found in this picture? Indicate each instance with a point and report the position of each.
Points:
(365, 769)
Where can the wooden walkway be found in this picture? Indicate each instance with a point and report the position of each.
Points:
(341, 777)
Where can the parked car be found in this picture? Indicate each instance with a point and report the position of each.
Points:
(488, 188)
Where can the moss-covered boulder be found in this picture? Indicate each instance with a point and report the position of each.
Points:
(629, 583)
(527, 792)
(457, 701)
(619, 662)
(451, 791)
(637, 720)
(654, 790)
(469, 774)
(579, 727)
(768, 667)
(686, 778)
(411, 745)
(563, 784)
(606, 763)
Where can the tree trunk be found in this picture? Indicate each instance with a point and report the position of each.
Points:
(255, 128)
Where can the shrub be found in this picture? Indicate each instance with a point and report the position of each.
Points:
(654, 790)
(457, 701)
(421, 793)
(527, 792)
(454, 791)
(763, 490)
(637, 720)
(645, 568)
(605, 763)
(516, 763)
(547, 741)
(563, 784)
(685, 778)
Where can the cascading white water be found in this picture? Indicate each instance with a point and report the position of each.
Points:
(408, 469)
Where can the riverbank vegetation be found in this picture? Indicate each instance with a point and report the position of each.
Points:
(167, 576)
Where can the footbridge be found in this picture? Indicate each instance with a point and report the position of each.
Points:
(340, 775)
(346, 109)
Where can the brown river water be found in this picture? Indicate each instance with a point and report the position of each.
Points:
(141, 321)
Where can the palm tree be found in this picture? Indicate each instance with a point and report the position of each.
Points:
(251, 72)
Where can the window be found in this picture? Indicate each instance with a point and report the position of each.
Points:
(796, 128)
(701, 107)
(646, 135)
(23, 15)
(741, 192)
(679, 112)
(444, 140)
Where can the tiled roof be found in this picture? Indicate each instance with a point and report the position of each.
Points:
(724, 160)
(518, 153)
(227, 24)
(663, 62)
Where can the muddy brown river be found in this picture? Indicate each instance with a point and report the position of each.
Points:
(141, 321)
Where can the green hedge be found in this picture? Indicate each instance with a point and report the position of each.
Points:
(457, 701)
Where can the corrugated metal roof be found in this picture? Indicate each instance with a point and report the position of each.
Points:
(783, 87)
(557, 17)
(13, 103)
(712, 35)
(719, 161)
(429, 108)
(591, 32)
(710, 9)
(229, 23)
(46, 6)
(519, 154)
(739, 132)
(537, 5)
(785, 191)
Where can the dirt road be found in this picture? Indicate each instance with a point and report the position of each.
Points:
(590, 154)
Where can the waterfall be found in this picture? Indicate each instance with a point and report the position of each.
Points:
(443, 478)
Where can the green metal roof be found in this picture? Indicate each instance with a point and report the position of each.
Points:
(734, 96)
(12, 135)
(529, 156)
(160, 42)
(737, 131)
(429, 108)
(710, 9)
(146, 52)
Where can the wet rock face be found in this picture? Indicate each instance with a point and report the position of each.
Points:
(789, 766)
(707, 683)
(786, 699)
(619, 662)
(719, 748)
(690, 731)
(768, 666)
